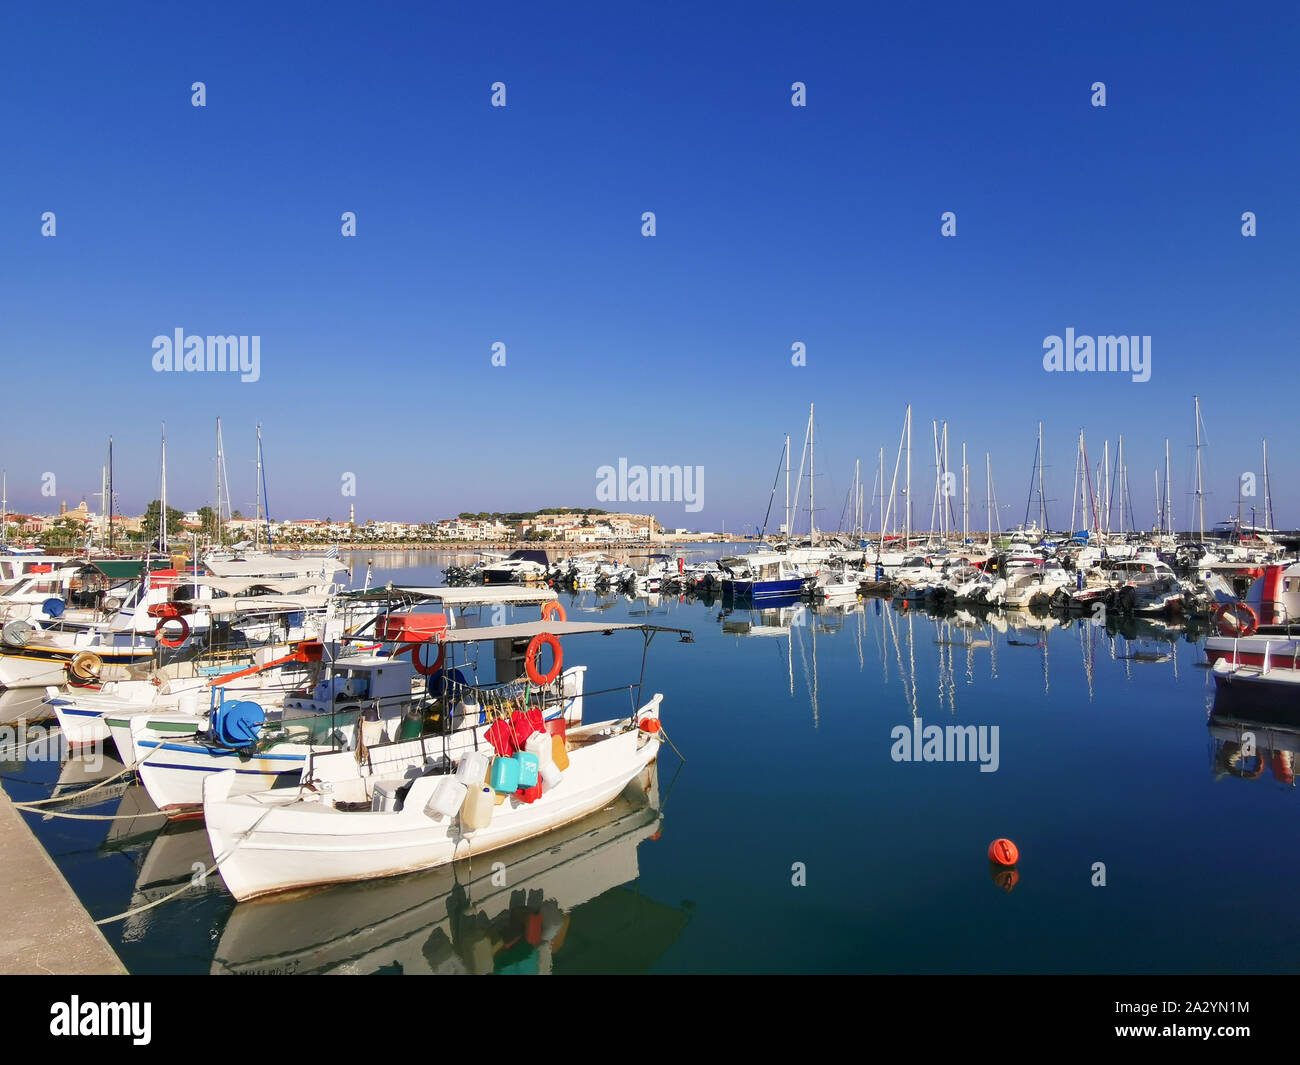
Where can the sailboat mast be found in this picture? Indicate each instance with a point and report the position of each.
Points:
(1103, 526)
(1074, 488)
(882, 495)
(1268, 494)
(857, 499)
(1042, 501)
(1200, 488)
(812, 477)
(787, 488)
(110, 494)
(988, 493)
(965, 495)
(1168, 520)
(907, 489)
(162, 503)
(257, 517)
(1160, 507)
(943, 496)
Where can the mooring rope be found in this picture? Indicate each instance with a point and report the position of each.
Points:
(86, 791)
(214, 867)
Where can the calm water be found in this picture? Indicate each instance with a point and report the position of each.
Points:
(785, 720)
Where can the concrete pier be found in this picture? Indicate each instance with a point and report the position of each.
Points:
(43, 926)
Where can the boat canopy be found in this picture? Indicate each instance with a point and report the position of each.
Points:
(274, 566)
(472, 595)
(526, 630)
(266, 604)
(241, 585)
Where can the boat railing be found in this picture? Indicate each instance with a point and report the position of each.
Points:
(468, 706)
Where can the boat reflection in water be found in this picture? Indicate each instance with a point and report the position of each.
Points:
(564, 902)
(1253, 741)
(531, 908)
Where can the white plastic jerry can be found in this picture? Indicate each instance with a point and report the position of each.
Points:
(477, 811)
(447, 798)
(551, 775)
(472, 769)
(539, 744)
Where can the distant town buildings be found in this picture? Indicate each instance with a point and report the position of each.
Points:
(567, 527)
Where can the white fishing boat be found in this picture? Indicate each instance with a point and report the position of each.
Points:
(322, 696)
(419, 804)
(367, 700)
(465, 919)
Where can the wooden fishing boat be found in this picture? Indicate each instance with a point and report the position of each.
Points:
(387, 813)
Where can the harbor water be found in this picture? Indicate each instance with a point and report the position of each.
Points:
(802, 820)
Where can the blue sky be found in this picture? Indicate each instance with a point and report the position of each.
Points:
(522, 225)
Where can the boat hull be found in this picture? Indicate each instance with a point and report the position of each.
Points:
(756, 590)
(265, 848)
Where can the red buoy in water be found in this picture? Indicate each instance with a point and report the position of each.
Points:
(1004, 852)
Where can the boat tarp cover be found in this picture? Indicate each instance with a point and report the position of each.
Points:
(124, 569)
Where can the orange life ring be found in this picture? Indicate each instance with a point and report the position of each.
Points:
(159, 632)
(554, 609)
(1239, 626)
(543, 639)
(420, 667)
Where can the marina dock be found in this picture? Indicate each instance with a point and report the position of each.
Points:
(44, 927)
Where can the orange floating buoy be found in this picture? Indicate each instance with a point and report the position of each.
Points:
(1003, 852)
(650, 724)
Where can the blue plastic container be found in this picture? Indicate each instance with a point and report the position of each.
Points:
(505, 775)
(529, 768)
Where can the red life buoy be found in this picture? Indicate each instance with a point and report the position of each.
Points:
(543, 639)
(1239, 625)
(417, 662)
(554, 609)
(159, 632)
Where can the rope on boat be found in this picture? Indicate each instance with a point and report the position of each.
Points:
(96, 817)
(86, 791)
(664, 732)
(214, 867)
